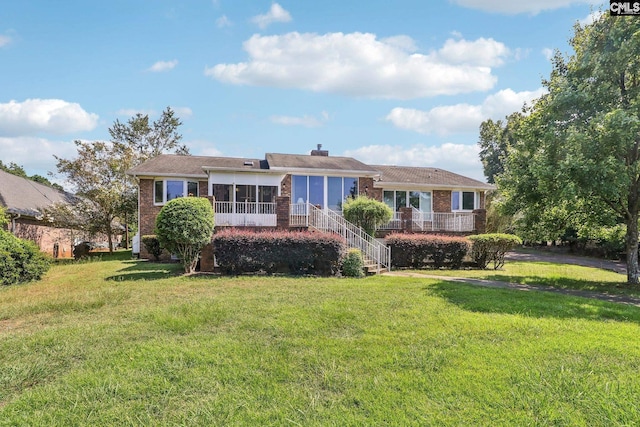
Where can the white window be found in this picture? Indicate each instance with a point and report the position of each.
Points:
(421, 200)
(464, 200)
(169, 189)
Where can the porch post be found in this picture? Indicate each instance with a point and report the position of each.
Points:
(406, 215)
(283, 213)
(480, 221)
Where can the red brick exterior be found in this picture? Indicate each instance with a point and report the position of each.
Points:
(480, 221)
(46, 237)
(442, 200)
(285, 186)
(282, 212)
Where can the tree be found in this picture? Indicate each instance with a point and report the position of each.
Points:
(98, 173)
(183, 227)
(4, 218)
(366, 213)
(15, 169)
(495, 139)
(578, 151)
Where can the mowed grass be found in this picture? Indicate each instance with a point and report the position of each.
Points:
(550, 274)
(125, 342)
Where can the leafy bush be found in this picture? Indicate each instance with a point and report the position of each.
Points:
(293, 252)
(422, 250)
(492, 248)
(152, 244)
(353, 263)
(183, 226)
(81, 250)
(4, 218)
(366, 213)
(20, 260)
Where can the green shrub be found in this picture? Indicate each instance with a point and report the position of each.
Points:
(353, 263)
(184, 226)
(426, 250)
(20, 260)
(271, 252)
(152, 244)
(366, 213)
(488, 248)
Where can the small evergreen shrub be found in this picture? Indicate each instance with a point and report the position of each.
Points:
(183, 227)
(353, 264)
(152, 244)
(271, 252)
(426, 250)
(488, 248)
(366, 213)
(20, 260)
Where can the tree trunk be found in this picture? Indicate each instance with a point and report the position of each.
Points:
(632, 249)
(110, 240)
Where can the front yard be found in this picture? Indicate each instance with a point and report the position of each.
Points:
(126, 342)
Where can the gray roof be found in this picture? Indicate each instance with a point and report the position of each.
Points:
(425, 176)
(192, 166)
(25, 197)
(305, 161)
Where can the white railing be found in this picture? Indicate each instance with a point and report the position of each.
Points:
(330, 221)
(454, 221)
(434, 221)
(299, 215)
(243, 214)
(394, 224)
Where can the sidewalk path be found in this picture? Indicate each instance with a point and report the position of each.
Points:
(621, 299)
(560, 258)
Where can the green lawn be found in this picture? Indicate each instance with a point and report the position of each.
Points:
(549, 274)
(131, 343)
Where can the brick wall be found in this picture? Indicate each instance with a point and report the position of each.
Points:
(482, 200)
(442, 200)
(365, 188)
(285, 186)
(47, 237)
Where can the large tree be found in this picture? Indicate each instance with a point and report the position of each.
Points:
(98, 172)
(578, 152)
(495, 139)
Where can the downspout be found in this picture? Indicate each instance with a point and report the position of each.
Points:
(13, 223)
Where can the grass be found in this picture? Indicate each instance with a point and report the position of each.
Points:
(564, 276)
(123, 342)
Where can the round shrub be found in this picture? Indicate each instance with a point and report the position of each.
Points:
(366, 213)
(492, 248)
(353, 264)
(152, 245)
(184, 226)
(20, 260)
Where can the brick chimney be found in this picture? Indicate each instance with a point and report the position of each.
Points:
(320, 151)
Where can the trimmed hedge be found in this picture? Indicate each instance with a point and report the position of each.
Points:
(423, 250)
(492, 248)
(271, 252)
(152, 244)
(20, 260)
(353, 264)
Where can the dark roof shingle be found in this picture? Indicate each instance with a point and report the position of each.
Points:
(25, 197)
(305, 161)
(426, 176)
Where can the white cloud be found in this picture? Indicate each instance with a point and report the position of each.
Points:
(44, 116)
(5, 40)
(548, 53)
(35, 154)
(161, 66)
(223, 22)
(275, 14)
(591, 18)
(458, 158)
(462, 117)
(483, 52)
(357, 64)
(306, 120)
(183, 112)
(512, 7)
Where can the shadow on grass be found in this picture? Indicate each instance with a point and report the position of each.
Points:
(531, 303)
(146, 270)
(565, 283)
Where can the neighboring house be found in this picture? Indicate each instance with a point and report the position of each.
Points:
(24, 201)
(293, 191)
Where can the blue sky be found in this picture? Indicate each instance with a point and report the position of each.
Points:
(406, 82)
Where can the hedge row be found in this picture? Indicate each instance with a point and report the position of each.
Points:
(20, 260)
(419, 250)
(278, 252)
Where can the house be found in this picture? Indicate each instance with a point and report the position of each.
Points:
(307, 191)
(25, 201)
